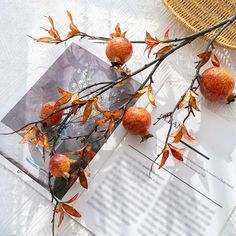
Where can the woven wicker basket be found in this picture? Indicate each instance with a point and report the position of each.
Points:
(200, 14)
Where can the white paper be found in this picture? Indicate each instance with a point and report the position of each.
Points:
(194, 197)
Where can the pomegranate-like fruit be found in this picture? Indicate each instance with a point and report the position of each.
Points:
(216, 84)
(47, 109)
(59, 165)
(137, 121)
(119, 50)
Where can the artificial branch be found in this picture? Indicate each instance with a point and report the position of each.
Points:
(88, 99)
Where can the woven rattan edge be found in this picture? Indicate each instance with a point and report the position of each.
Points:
(179, 18)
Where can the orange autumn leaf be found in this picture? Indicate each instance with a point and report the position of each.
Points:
(107, 114)
(110, 126)
(66, 97)
(181, 132)
(64, 92)
(193, 103)
(97, 105)
(116, 113)
(151, 42)
(55, 37)
(118, 32)
(176, 152)
(85, 152)
(190, 99)
(61, 216)
(35, 136)
(166, 35)
(70, 210)
(140, 92)
(41, 139)
(53, 32)
(186, 134)
(205, 56)
(102, 121)
(74, 198)
(178, 134)
(76, 103)
(184, 100)
(45, 39)
(89, 153)
(151, 95)
(29, 134)
(87, 110)
(73, 28)
(163, 50)
(165, 155)
(214, 60)
(83, 179)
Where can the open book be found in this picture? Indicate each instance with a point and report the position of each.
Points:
(194, 197)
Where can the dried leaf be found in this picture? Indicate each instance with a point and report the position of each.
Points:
(63, 100)
(214, 60)
(71, 210)
(193, 103)
(163, 50)
(79, 102)
(176, 152)
(205, 56)
(74, 198)
(45, 39)
(140, 92)
(151, 96)
(102, 121)
(87, 111)
(165, 155)
(166, 35)
(110, 126)
(178, 134)
(61, 217)
(151, 42)
(64, 92)
(83, 179)
(89, 154)
(29, 133)
(98, 106)
(107, 114)
(66, 97)
(184, 100)
(53, 32)
(85, 152)
(116, 113)
(186, 135)
(118, 32)
(76, 103)
(73, 28)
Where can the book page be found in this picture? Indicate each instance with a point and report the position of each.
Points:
(194, 197)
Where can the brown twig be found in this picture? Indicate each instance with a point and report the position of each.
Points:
(195, 79)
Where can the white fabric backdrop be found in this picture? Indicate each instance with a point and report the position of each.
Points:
(23, 211)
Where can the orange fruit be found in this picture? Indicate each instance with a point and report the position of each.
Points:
(137, 121)
(59, 165)
(119, 50)
(47, 109)
(216, 84)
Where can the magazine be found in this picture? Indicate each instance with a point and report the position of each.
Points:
(74, 70)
